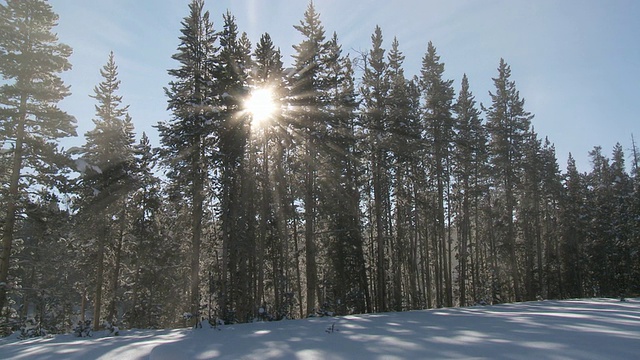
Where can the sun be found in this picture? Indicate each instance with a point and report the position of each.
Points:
(261, 105)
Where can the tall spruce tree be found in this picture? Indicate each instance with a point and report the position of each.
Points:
(234, 64)
(622, 190)
(635, 214)
(374, 89)
(573, 221)
(551, 196)
(267, 76)
(530, 215)
(600, 245)
(30, 60)
(507, 124)
(341, 199)
(189, 139)
(402, 147)
(107, 166)
(438, 118)
(305, 96)
(467, 156)
(153, 256)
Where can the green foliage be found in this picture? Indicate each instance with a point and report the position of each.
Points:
(30, 60)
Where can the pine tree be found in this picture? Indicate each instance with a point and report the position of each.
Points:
(340, 196)
(634, 215)
(30, 60)
(305, 97)
(551, 190)
(600, 245)
(437, 116)
(107, 166)
(622, 190)
(270, 137)
(507, 124)
(402, 143)
(47, 281)
(234, 64)
(190, 137)
(419, 275)
(573, 223)
(469, 140)
(154, 257)
(609, 245)
(374, 90)
(530, 215)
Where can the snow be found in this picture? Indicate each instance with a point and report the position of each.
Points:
(82, 165)
(574, 329)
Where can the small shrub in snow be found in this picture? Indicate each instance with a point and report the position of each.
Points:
(30, 329)
(113, 329)
(331, 329)
(83, 329)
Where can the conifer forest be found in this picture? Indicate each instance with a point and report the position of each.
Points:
(338, 184)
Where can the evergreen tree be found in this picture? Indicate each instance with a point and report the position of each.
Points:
(610, 244)
(268, 78)
(402, 143)
(437, 116)
(634, 210)
(609, 234)
(551, 190)
(622, 190)
(153, 256)
(573, 222)
(600, 245)
(232, 73)
(507, 124)
(30, 60)
(305, 96)
(340, 196)
(530, 215)
(468, 157)
(47, 281)
(107, 166)
(374, 90)
(189, 139)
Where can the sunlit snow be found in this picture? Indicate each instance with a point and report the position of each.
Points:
(575, 329)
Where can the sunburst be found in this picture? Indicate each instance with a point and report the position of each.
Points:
(261, 105)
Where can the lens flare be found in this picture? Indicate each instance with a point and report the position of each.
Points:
(261, 105)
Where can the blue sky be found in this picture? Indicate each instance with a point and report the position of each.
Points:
(577, 63)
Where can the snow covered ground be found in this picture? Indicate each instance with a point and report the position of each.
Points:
(575, 329)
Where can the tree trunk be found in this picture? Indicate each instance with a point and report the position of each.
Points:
(12, 202)
(112, 316)
(380, 263)
(196, 219)
(511, 243)
(97, 304)
(309, 236)
(297, 258)
(264, 214)
(465, 234)
(83, 305)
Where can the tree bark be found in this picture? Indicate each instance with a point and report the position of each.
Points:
(112, 316)
(309, 213)
(97, 304)
(196, 218)
(12, 202)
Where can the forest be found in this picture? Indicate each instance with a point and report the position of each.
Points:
(336, 185)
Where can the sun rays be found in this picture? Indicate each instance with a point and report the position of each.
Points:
(261, 105)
